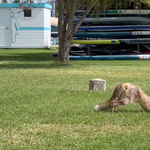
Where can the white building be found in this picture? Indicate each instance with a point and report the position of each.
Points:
(29, 28)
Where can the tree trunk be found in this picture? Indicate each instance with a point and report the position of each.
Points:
(65, 28)
(64, 49)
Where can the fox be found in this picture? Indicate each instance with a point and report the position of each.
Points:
(123, 94)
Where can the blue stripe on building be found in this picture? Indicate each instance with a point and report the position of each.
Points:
(16, 5)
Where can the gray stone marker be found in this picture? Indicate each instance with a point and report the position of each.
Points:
(97, 85)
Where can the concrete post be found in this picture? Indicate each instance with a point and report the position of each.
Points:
(97, 85)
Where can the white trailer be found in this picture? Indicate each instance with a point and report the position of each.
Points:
(29, 28)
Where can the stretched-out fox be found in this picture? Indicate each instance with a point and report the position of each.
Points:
(124, 94)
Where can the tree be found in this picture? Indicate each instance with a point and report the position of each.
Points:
(66, 27)
(66, 12)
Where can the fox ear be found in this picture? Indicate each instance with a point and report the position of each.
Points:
(96, 108)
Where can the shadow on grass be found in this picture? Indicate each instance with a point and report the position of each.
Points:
(122, 111)
(126, 111)
(33, 60)
(28, 57)
(35, 65)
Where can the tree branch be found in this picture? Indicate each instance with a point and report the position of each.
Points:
(83, 16)
(67, 11)
(71, 19)
(80, 4)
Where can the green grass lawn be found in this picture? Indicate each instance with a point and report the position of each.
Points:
(45, 105)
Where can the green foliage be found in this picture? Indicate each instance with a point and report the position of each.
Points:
(46, 105)
(147, 2)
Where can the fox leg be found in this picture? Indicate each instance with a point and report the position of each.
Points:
(123, 101)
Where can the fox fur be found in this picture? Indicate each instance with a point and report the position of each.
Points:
(124, 94)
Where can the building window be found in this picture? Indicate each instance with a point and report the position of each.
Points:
(27, 13)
